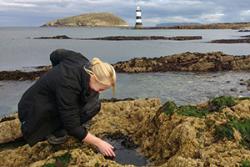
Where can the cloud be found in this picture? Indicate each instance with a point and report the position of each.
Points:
(214, 17)
(154, 11)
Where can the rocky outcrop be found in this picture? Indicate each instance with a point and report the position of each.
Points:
(21, 75)
(231, 41)
(208, 134)
(244, 39)
(90, 19)
(197, 62)
(123, 38)
(191, 62)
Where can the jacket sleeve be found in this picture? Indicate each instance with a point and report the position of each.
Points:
(67, 102)
(91, 108)
(60, 55)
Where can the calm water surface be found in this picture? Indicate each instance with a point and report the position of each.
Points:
(20, 51)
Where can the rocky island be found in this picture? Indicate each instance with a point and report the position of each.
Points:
(214, 133)
(89, 20)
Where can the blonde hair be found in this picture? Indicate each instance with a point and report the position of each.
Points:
(104, 73)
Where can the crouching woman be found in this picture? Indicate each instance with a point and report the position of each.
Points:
(64, 98)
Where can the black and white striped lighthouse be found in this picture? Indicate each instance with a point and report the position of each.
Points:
(138, 23)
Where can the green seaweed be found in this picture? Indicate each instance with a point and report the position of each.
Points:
(169, 108)
(221, 102)
(245, 163)
(193, 111)
(49, 165)
(62, 161)
(97, 164)
(243, 127)
(226, 131)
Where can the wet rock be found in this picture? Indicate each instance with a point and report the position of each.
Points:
(233, 89)
(231, 41)
(122, 38)
(116, 100)
(199, 62)
(244, 30)
(243, 83)
(55, 37)
(20, 75)
(246, 36)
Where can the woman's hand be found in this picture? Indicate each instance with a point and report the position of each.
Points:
(105, 148)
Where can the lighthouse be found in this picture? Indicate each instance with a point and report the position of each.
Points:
(138, 23)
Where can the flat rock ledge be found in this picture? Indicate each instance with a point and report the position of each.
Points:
(243, 39)
(190, 62)
(167, 135)
(122, 38)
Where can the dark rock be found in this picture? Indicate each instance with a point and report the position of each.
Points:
(228, 81)
(55, 37)
(116, 100)
(20, 75)
(246, 36)
(121, 38)
(244, 30)
(195, 62)
(233, 89)
(247, 40)
(243, 83)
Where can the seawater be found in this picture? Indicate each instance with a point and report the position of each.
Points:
(20, 51)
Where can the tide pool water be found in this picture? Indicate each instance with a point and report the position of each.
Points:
(182, 87)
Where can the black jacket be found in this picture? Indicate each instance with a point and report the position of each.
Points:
(61, 98)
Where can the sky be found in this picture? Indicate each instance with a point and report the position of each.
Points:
(38, 12)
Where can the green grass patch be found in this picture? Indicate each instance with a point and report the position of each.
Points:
(245, 163)
(221, 102)
(61, 161)
(226, 131)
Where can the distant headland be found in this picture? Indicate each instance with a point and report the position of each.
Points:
(90, 20)
(236, 25)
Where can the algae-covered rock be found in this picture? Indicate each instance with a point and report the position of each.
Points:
(218, 138)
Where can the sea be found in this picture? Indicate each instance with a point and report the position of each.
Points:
(20, 51)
